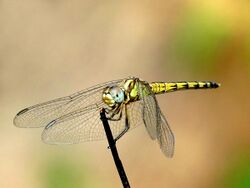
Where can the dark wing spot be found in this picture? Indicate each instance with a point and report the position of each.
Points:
(22, 111)
(50, 124)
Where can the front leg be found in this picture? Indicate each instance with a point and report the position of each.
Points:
(113, 113)
(116, 118)
(126, 125)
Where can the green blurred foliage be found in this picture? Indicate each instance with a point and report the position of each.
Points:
(62, 173)
(237, 174)
(197, 41)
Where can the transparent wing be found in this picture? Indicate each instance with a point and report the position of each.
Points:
(165, 137)
(85, 125)
(134, 113)
(80, 126)
(41, 114)
(155, 122)
(149, 109)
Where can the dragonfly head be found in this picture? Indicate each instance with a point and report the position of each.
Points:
(113, 95)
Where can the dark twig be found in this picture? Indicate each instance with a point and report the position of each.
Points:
(112, 146)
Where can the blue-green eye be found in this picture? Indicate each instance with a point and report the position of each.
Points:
(117, 94)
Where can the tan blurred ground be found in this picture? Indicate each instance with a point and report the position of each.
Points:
(50, 49)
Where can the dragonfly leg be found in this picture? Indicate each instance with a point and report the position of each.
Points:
(116, 111)
(116, 118)
(126, 126)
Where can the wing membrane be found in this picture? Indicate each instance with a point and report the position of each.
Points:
(155, 122)
(165, 137)
(80, 126)
(150, 110)
(41, 114)
(85, 125)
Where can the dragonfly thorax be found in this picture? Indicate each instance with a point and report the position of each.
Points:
(113, 95)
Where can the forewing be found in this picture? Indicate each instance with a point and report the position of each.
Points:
(41, 114)
(80, 126)
(166, 138)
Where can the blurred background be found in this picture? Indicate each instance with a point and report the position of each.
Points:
(50, 49)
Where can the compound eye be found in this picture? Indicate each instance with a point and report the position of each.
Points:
(117, 94)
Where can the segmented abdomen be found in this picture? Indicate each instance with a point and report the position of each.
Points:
(164, 87)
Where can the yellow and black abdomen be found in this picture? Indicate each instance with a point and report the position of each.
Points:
(164, 87)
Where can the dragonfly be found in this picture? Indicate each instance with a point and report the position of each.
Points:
(127, 102)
